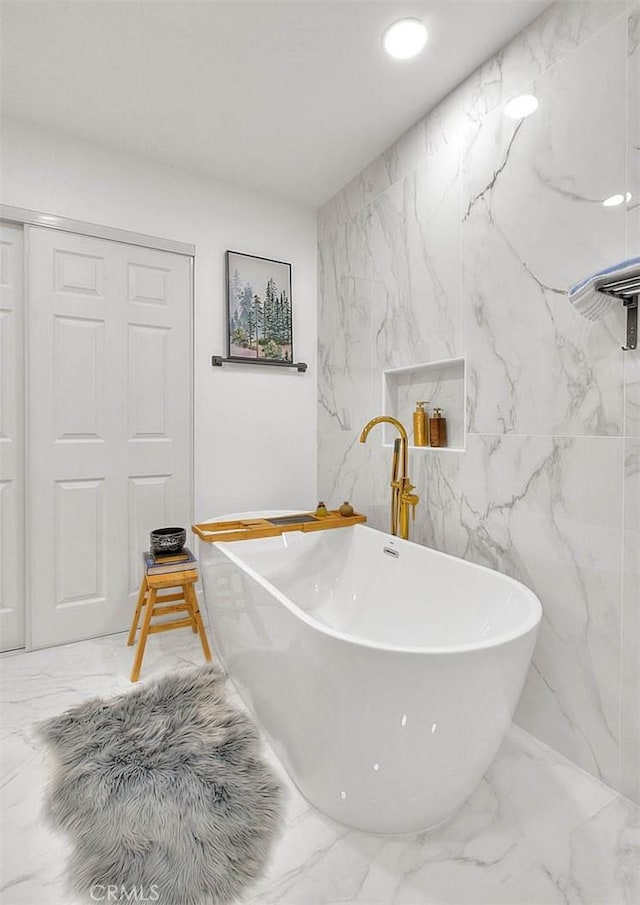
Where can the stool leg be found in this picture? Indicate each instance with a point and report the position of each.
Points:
(142, 640)
(139, 605)
(190, 594)
(193, 599)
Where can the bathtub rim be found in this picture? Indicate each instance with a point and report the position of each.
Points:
(531, 623)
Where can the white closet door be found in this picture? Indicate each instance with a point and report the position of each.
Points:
(11, 439)
(109, 328)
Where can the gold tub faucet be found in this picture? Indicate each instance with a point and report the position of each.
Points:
(401, 497)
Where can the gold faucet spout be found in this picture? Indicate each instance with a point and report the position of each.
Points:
(404, 439)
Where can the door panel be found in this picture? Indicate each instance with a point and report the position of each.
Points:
(12, 605)
(148, 382)
(79, 542)
(78, 272)
(78, 348)
(110, 423)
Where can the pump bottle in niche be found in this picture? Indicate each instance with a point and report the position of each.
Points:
(438, 428)
(420, 425)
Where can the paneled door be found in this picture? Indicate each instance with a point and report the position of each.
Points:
(12, 608)
(109, 424)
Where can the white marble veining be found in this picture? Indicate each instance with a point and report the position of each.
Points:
(632, 395)
(350, 466)
(633, 56)
(346, 388)
(555, 34)
(632, 362)
(536, 829)
(467, 233)
(533, 224)
(415, 244)
(579, 867)
(530, 507)
(439, 131)
(630, 664)
(545, 42)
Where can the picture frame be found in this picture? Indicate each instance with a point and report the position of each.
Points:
(259, 309)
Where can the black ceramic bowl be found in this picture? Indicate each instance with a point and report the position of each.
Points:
(167, 540)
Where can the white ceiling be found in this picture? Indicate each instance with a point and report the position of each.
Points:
(293, 97)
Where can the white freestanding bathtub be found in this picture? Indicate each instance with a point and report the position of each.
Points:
(384, 673)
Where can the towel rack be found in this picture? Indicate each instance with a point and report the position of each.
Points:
(628, 291)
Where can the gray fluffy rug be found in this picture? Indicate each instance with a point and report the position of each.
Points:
(162, 790)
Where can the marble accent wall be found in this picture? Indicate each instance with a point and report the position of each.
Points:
(462, 239)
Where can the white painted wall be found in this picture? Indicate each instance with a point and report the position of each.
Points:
(255, 443)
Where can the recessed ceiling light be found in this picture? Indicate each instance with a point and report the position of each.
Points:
(614, 200)
(522, 106)
(405, 38)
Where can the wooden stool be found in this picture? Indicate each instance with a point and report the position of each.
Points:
(161, 606)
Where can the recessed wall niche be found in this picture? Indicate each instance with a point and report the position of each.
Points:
(442, 384)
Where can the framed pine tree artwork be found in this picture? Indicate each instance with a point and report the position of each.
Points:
(259, 315)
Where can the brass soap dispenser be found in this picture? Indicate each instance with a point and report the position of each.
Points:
(420, 424)
(438, 428)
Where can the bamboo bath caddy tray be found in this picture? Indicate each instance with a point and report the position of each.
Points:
(250, 529)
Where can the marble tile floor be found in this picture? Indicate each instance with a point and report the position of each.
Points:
(538, 830)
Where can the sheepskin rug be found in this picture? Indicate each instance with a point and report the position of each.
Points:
(163, 791)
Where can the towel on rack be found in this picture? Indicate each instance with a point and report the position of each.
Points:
(587, 296)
